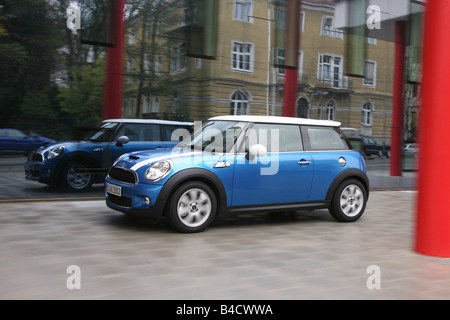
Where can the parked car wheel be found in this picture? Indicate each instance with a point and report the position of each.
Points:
(192, 207)
(349, 201)
(73, 180)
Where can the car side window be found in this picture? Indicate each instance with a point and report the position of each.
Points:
(2, 133)
(16, 134)
(175, 133)
(324, 138)
(140, 132)
(275, 137)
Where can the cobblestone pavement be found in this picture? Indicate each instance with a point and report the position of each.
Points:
(298, 256)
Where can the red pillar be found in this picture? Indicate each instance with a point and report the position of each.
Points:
(290, 92)
(433, 201)
(292, 44)
(112, 97)
(397, 99)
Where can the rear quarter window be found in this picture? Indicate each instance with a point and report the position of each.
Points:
(323, 138)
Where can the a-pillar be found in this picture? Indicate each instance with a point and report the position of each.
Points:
(113, 88)
(432, 235)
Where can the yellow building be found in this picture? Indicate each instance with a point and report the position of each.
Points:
(242, 78)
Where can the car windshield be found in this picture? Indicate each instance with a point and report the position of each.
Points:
(215, 137)
(103, 132)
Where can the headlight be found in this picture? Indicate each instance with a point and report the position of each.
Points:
(158, 170)
(55, 152)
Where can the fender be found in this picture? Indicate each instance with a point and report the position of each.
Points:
(197, 174)
(349, 173)
(80, 155)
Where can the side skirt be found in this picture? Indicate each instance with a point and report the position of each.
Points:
(227, 211)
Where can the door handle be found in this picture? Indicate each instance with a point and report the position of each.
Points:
(304, 162)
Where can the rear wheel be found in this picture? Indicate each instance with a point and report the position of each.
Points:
(192, 207)
(349, 201)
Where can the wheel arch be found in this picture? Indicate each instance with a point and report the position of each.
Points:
(348, 174)
(76, 155)
(187, 175)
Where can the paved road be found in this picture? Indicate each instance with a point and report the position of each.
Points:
(299, 256)
(306, 255)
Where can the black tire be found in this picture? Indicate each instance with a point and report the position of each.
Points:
(73, 181)
(192, 207)
(349, 201)
(380, 153)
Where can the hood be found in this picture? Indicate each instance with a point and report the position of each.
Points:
(69, 145)
(179, 157)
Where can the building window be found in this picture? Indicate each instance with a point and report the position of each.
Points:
(176, 103)
(146, 105)
(330, 70)
(366, 115)
(189, 15)
(302, 21)
(243, 10)
(302, 108)
(370, 40)
(198, 63)
(239, 104)
(178, 58)
(327, 28)
(131, 36)
(300, 65)
(158, 65)
(129, 69)
(280, 60)
(155, 106)
(280, 17)
(148, 63)
(242, 56)
(370, 68)
(331, 106)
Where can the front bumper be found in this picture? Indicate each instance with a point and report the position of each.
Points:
(37, 171)
(137, 200)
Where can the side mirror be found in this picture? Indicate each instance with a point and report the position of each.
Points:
(122, 140)
(256, 150)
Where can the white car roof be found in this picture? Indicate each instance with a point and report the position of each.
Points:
(156, 121)
(282, 120)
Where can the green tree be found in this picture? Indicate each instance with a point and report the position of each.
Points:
(153, 19)
(28, 44)
(82, 98)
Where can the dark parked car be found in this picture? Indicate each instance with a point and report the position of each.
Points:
(16, 141)
(76, 165)
(371, 147)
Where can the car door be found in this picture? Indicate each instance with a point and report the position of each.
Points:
(281, 176)
(17, 140)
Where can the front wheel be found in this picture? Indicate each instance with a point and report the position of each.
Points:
(192, 207)
(349, 201)
(74, 179)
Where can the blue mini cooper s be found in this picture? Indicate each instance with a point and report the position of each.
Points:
(234, 164)
(76, 165)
